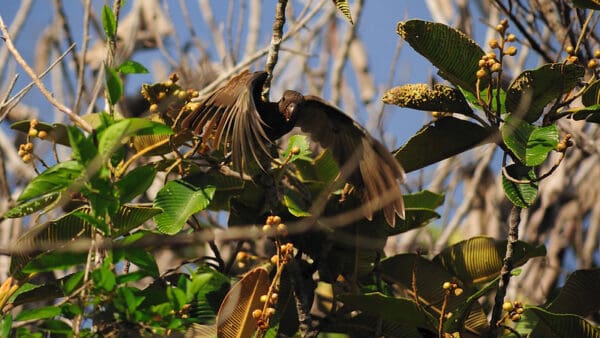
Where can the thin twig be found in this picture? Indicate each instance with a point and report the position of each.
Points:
(513, 236)
(11, 47)
(276, 40)
(84, 46)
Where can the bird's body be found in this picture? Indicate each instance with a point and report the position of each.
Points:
(236, 117)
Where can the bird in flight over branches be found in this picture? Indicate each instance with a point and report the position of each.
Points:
(235, 117)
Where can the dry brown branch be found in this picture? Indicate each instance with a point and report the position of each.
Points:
(276, 40)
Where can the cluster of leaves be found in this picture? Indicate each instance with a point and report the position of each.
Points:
(80, 262)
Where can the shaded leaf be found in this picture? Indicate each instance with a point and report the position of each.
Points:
(235, 315)
(591, 95)
(448, 49)
(520, 194)
(179, 200)
(532, 90)
(590, 113)
(445, 138)
(580, 295)
(401, 310)
(29, 293)
(419, 96)
(479, 259)
(565, 325)
(57, 132)
(55, 260)
(590, 4)
(135, 183)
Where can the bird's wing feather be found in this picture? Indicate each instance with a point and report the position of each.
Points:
(364, 161)
(228, 118)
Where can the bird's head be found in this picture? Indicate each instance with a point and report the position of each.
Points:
(290, 103)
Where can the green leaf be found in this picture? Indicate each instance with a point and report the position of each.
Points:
(565, 325)
(445, 138)
(520, 194)
(300, 142)
(138, 256)
(38, 313)
(31, 293)
(591, 95)
(104, 278)
(131, 216)
(177, 297)
(114, 85)
(132, 67)
(135, 183)
(295, 204)
(72, 282)
(480, 259)
(57, 260)
(400, 310)
(5, 325)
(532, 90)
(83, 148)
(29, 207)
(515, 134)
(423, 199)
(540, 143)
(109, 22)
(115, 135)
(57, 178)
(450, 50)
(343, 6)
(179, 200)
(419, 96)
(590, 113)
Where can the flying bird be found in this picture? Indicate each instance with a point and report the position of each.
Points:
(235, 117)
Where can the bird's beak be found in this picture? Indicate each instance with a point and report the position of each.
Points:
(289, 111)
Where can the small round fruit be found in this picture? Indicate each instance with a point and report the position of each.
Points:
(256, 313)
(447, 286)
(507, 306)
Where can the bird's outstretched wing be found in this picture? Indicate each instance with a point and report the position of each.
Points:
(363, 160)
(228, 118)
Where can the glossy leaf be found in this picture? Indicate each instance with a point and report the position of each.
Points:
(235, 315)
(401, 310)
(135, 183)
(179, 200)
(532, 90)
(419, 96)
(132, 67)
(57, 178)
(479, 259)
(448, 49)
(444, 138)
(540, 143)
(520, 194)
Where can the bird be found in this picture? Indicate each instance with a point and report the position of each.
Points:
(235, 117)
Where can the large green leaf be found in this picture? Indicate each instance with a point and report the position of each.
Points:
(419, 96)
(179, 200)
(520, 194)
(565, 325)
(580, 295)
(479, 259)
(115, 135)
(444, 138)
(38, 313)
(55, 260)
(114, 85)
(57, 178)
(450, 50)
(135, 182)
(401, 310)
(532, 90)
(540, 143)
(428, 277)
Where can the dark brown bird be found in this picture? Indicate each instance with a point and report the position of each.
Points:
(234, 116)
